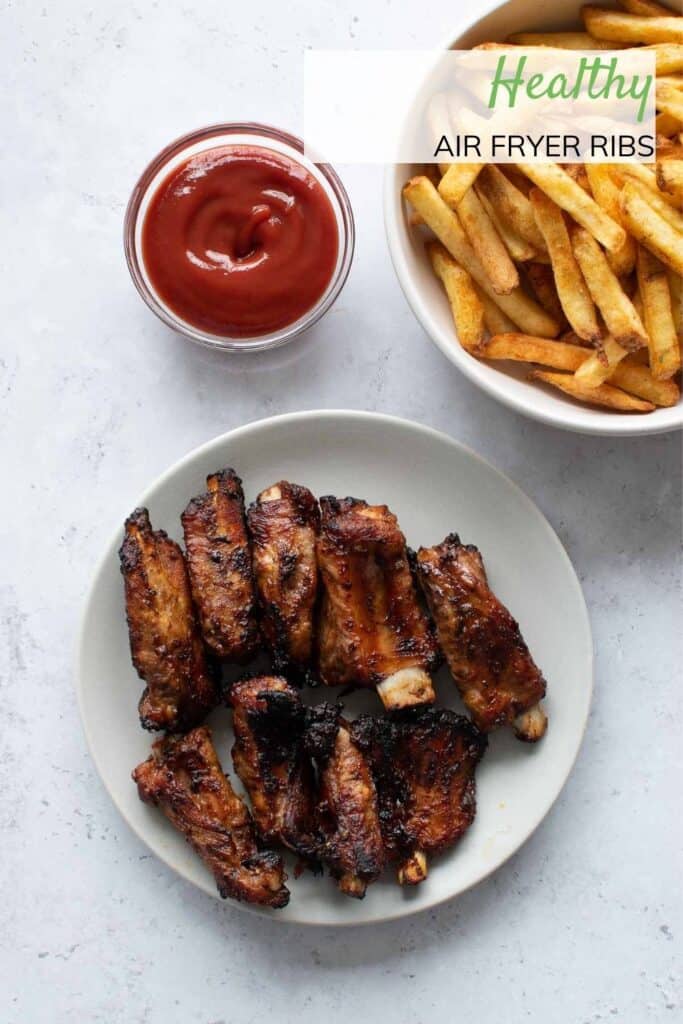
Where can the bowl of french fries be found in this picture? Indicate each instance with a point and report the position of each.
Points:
(558, 288)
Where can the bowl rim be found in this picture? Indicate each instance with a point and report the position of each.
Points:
(612, 424)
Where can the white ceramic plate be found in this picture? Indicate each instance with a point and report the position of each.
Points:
(505, 382)
(435, 486)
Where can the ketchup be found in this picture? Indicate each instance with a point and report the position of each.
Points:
(240, 241)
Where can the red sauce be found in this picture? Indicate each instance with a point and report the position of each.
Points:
(240, 241)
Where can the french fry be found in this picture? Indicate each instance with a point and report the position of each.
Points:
(651, 230)
(511, 205)
(658, 203)
(563, 190)
(670, 178)
(668, 57)
(669, 100)
(665, 356)
(574, 296)
(487, 244)
(495, 319)
(605, 394)
(521, 309)
(676, 292)
(525, 348)
(560, 40)
(520, 250)
(606, 195)
(542, 281)
(646, 8)
(600, 366)
(456, 182)
(467, 309)
(621, 319)
(667, 125)
(638, 380)
(630, 28)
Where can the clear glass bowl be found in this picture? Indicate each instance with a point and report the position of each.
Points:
(235, 134)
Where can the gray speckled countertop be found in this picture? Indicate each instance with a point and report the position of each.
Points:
(585, 923)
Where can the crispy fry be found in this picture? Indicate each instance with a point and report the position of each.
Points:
(668, 57)
(646, 8)
(495, 319)
(631, 376)
(606, 195)
(525, 348)
(667, 125)
(630, 28)
(669, 100)
(670, 178)
(651, 230)
(511, 205)
(574, 295)
(658, 203)
(527, 314)
(600, 366)
(520, 250)
(621, 319)
(560, 40)
(665, 356)
(542, 281)
(466, 307)
(561, 188)
(456, 182)
(487, 244)
(605, 394)
(676, 291)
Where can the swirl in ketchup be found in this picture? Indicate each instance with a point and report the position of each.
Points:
(240, 241)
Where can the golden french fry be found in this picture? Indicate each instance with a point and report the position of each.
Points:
(487, 244)
(658, 203)
(646, 8)
(467, 310)
(605, 394)
(621, 319)
(456, 182)
(668, 57)
(560, 40)
(630, 28)
(676, 291)
(511, 205)
(495, 319)
(525, 348)
(667, 125)
(651, 230)
(638, 380)
(669, 100)
(574, 296)
(563, 190)
(542, 281)
(600, 366)
(521, 309)
(670, 178)
(606, 195)
(653, 284)
(520, 250)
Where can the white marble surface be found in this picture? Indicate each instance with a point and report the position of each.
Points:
(585, 923)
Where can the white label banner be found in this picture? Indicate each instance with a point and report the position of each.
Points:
(496, 104)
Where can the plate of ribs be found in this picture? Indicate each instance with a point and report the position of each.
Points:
(334, 668)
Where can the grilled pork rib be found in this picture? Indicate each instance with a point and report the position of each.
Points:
(269, 722)
(219, 562)
(184, 778)
(283, 523)
(423, 762)
(372, 630)
(348, 815)
(486, 653)
(165, 641)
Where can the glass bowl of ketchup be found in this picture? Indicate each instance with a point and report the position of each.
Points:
(237, 240)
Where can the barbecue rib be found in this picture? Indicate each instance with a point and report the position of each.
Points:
(348, 815)
(184, 778)
(269, 722)
(283, 523)
(423, 762)
(372, 630)
(165, 642)
(219, 561)
(493, 670)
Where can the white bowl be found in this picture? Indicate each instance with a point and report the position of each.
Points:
(504, 381)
